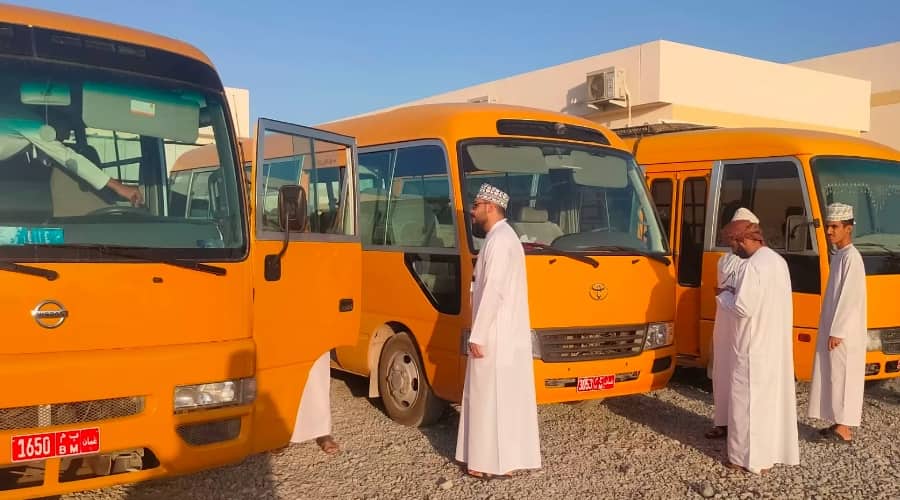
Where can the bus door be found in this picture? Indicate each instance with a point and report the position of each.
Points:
(689, 216)
(306, 264)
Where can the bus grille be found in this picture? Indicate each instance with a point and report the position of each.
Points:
(32, 417)
(558, 346)
(890, 341)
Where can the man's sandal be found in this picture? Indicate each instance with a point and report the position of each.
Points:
(831, 436)
(734, 466)
(485, 476)
(717, 432)
(328, 445)
(827, 429)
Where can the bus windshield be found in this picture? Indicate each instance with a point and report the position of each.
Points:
(85, 161)
(872, 187)
(570, 197)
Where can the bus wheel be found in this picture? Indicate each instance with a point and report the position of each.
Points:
(404, 389)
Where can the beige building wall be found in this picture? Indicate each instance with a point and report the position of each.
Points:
(881, 66)
(673, 82)
(239, 102)
(239, 105)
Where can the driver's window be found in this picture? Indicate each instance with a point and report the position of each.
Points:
(274, 175)
(772, 190)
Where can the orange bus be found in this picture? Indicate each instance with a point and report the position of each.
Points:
(600, 281)
(145, 335)
(786, 177)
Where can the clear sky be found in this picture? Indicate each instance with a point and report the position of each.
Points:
(310, 62)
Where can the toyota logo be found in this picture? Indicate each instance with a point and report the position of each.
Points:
(49, 314)
(599, 291)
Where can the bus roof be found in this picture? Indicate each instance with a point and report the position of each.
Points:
(208, 156)
(738, 143)
(427, 121)
(432, 121)
(74, 24)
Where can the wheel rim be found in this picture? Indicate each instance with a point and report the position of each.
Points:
(403, 379)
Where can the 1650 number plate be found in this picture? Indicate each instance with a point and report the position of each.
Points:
(55, 444)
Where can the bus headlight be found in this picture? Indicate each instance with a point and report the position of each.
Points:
(659, 335)
(535, 345)
(873, 340)
(215, 394)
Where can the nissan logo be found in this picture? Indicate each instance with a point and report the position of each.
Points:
(49, 314)
(599, 291)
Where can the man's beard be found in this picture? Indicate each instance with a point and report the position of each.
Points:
(740, 252)
(478, 230)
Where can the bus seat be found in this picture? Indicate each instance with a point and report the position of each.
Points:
(25, 189)
(411, 222)
(534, 224)
(70, 198)
(369, 213)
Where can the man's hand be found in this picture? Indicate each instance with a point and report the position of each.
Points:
(833, 342)
(131, 193)
(475, 350)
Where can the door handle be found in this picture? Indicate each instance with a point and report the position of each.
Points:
(345, 305)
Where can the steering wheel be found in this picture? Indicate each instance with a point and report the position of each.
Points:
(119, 210)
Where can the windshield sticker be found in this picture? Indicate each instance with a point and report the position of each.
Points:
(31, 235)
(143, 108)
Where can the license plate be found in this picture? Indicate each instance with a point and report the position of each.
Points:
(596, 383)
(55, 444)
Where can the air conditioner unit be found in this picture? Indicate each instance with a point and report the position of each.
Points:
(606, 85)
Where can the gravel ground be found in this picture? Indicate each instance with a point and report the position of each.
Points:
(646, 446)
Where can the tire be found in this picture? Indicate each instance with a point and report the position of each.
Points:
(405, 391)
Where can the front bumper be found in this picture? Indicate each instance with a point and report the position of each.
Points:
(648, 371)
(169, 443)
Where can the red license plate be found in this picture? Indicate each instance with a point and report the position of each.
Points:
(596, 383)
(55, 444)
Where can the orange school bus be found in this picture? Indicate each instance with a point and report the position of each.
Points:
(600, 282)
(786, 177)
(163, 338)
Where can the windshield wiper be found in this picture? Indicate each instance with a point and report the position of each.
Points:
(563, 253)
(630, 251)
(126, 252)
(12, 267)
(890, 252)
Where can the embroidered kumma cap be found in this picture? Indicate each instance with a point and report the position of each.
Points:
(838, 212)
(493, 195)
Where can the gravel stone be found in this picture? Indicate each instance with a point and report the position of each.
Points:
(643, 446)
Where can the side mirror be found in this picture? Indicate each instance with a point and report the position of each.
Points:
(291, 208)
(796, 233)
(291, 217)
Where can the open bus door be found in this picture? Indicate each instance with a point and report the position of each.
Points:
(307, 260)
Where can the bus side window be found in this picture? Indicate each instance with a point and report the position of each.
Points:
(199, 196)
(421, 211)
(373, 196)
(661, 192)
(693, 222)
